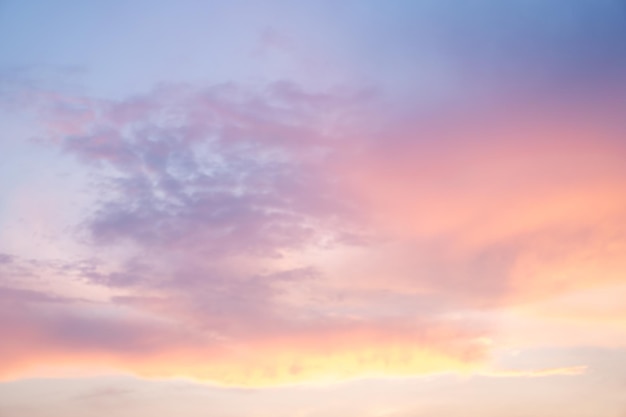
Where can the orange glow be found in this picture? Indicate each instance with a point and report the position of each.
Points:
(329, 357)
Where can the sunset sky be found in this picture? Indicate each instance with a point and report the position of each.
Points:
(325, 208)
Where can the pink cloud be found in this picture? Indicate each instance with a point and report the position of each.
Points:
(292, 236)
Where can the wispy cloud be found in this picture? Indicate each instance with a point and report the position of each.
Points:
(537, 373)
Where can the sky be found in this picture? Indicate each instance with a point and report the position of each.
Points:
(313, 208)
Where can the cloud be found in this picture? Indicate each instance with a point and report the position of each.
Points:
(47, 335)
(218, 170)
(568, 371)
(5, 259)
(475, 199)
(274, 236)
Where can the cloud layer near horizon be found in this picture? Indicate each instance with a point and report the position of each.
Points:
(279, 235)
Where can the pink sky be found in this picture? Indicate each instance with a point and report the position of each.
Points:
(378, 209)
